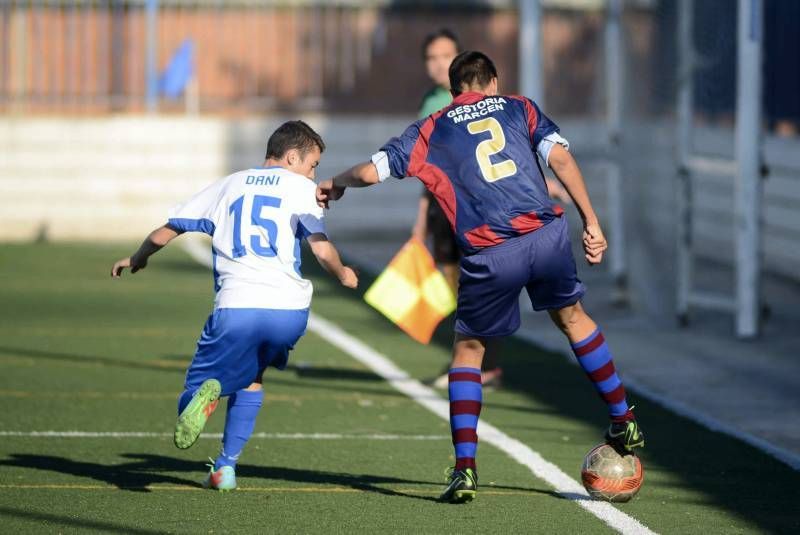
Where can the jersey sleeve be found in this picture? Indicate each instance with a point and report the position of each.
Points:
(398, 150)
(546, 145)
(311, 218)
(544, 133)
(543, 127)
(197, 214)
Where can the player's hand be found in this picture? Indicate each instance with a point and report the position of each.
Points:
(131, 262)
(594, 243)
(327, 192)
(348, 277)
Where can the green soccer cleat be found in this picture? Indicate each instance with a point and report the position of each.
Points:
(194, 417)
(223, 480)
(461, 487)
(624, 436)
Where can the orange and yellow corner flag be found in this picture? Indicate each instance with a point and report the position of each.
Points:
(412, 292)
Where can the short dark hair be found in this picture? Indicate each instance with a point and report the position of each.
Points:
(471, 67)
(293, 135)
(440, 33)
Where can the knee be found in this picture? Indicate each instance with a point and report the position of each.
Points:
(468, 350)
(469, 345)
(567, 318)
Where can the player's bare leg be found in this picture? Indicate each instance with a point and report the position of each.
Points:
(594, 357)
(574, 322)
(468, 351)
(466, 396)
(491, 372)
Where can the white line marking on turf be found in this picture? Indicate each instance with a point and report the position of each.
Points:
(709, 422)
(544, 470)
(269, 436)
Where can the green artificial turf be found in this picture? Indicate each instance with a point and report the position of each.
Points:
(80, 352)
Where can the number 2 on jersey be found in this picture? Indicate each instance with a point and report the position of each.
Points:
(492, 172)
(259, 202)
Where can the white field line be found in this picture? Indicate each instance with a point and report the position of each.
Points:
(544, 470)
(709, 422)
(268, 436)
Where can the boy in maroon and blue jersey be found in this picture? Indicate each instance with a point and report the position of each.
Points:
(479, 157)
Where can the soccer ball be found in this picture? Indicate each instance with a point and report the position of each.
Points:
(609, 476)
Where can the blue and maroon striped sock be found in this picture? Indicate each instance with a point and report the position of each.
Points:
(465, 406)
(595, 359)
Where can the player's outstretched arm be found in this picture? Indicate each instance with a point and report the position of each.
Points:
(328, 258)
(152, 244)
(359, 176)
(566, 170)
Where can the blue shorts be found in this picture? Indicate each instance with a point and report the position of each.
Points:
(237, 345)
(491, 280)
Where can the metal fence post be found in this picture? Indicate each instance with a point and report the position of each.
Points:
(748, 188)
(614, 99)
(530, 56)
(683, 144)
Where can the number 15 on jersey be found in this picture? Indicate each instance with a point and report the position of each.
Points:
(259, 203)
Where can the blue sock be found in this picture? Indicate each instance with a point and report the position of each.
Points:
(240, 420)
(184, 399)
(595, 359)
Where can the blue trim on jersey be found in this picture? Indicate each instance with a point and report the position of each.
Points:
(302, 233)
(298, 236)
(217, 285)
(270, 167)
(193, 225)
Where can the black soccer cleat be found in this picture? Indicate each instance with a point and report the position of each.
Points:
(461, 487)
(624, 436)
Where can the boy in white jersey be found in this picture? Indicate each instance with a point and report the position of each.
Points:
(256, 219)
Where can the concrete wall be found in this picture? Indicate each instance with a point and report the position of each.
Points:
(115, 178)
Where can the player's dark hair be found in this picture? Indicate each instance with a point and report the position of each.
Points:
(293, 135)
(440, 33)
(471, 67)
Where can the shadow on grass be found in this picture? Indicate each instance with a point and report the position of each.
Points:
(144, 470)
(158, 365)
(711, 463)
(133, 476)
(339, 374)
(82, 524)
